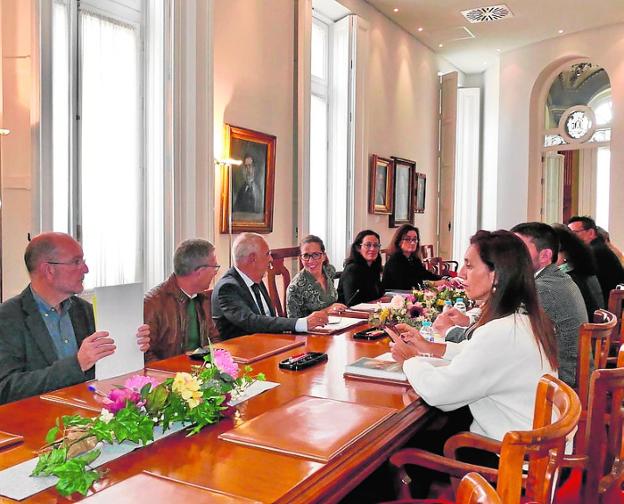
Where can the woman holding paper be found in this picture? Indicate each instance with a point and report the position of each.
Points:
(495, 372)
(360, 282)
(312, 289)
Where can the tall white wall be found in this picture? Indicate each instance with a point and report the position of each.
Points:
(519, 70)
(489, 153)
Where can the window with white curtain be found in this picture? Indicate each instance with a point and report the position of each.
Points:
(99, 145)
(331, 139)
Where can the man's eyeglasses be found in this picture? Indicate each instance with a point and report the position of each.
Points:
(74, 263)
(371, 245)
(314, 256)
(215, 266)
(410, 240)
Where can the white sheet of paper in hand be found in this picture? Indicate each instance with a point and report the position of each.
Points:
(119, 310)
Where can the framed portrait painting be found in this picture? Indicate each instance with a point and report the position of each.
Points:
(402, 211)
(380, 185)
(420, 190)
(251, 184)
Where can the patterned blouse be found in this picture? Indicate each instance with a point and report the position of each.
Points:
(305, 295)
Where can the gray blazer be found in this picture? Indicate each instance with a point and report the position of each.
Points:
(235, 312)
(28, 360)
(563, 303)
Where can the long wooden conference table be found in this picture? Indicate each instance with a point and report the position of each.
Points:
(214, 470)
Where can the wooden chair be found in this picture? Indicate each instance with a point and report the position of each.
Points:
(543, 447)
(276, 269)
(616, 299)
(426, 251)
(603, 461)
(441, 267)
(474, 489)
(593, 348)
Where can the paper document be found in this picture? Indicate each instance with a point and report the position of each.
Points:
(336, 324)
(119, 310)
(368, 307)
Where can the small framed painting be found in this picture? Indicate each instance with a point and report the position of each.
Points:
(381, 185)
(402, 211)
(420, 190)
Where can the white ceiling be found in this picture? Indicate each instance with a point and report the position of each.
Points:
(534, 20)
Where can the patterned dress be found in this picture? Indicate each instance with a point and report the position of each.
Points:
(305, 295)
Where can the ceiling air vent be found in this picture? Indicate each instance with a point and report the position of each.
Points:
(485, 14)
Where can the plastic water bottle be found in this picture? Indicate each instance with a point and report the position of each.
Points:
(447, 305)
(460, 305)
(426, 331)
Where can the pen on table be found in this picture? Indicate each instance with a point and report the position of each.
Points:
(92, 388)
(357, 291)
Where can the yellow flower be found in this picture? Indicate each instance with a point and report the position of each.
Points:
(440, 302)
(384, 314)
(187, 386)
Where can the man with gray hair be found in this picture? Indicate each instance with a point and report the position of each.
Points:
(240, 301)
(47, 334)
(178, 310)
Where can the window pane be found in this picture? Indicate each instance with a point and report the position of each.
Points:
(603, 181)
(319, 51)
(110, 176)
(60, 117)
(318, 166)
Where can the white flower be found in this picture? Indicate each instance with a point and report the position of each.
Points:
(397, 302)
(106, 416)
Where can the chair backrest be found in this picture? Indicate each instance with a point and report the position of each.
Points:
(426, 251)
(543, 446)
(616, 300)
(593, 347)
(276, 269)
(605, 449)
(441, 267)
(474, 489)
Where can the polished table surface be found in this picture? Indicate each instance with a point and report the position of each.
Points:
(206, 462)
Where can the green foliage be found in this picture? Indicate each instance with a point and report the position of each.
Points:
(161, 405)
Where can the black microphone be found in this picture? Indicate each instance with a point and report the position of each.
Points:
(348, 303)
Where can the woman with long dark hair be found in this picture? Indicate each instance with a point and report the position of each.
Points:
(577, 260)
(404, 270)
(360, 280)
(495, 372)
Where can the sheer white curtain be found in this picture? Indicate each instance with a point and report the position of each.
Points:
(60, 115)
(110, 131)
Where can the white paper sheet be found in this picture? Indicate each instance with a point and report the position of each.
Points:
(337, 324)
(119, 310)
(368, 307)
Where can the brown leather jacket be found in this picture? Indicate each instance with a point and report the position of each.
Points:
(164, 310)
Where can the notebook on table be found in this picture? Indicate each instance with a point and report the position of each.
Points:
(252, 348)
(318, 429)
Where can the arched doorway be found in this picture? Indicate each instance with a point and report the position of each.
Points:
(574, 144)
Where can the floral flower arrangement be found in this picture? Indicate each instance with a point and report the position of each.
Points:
(132, 411)
(415, 308)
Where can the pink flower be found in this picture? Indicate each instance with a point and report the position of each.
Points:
(397, 302)
(137, 382)
(117, 398)
(224, 362)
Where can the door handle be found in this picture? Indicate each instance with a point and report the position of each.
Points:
(449, 225)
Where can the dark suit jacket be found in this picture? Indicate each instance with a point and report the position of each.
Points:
(28, 361)
(235, 312)
(610, 271)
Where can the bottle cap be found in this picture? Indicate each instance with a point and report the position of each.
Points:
(426, 323)
(459, 300)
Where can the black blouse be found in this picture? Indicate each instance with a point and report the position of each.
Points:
(359, 283)
(405, 273)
